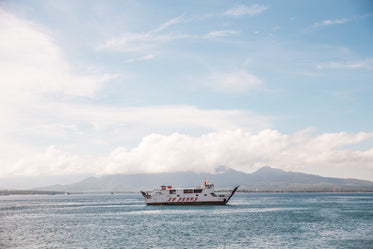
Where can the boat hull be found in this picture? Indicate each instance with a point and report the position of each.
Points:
(203, 195)
(201, 203)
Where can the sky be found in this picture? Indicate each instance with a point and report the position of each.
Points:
(90, 88)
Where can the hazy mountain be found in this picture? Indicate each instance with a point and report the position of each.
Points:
(265, 179)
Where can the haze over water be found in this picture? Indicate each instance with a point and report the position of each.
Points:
(255, 220)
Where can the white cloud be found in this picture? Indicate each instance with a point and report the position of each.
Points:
(241, 150)
(38, 84)
(31, 63)
(143, 41)
(331, 22)
(340, 21)
(33, 70)
(139, 42)
(233, 81)
(52, 161)
(363, 64)
(241, 10)
(221, 33)
(141, 58)
(169, 23)
(116, 125)
(133, 42)
(150, 40)
(237, 148)
(33, 75)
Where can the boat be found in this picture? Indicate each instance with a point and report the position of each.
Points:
(202, 195)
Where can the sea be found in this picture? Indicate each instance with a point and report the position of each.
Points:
(251, 220)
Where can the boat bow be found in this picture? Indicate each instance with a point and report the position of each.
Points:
(232, 193)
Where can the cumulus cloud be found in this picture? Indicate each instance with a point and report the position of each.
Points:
(239, 149)
(241, 10)
(233, 81)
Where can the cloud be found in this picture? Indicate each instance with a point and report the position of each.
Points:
(113, 125)
(331, 22)
(363, 64)
(237, 148)
(221, 33)
(34, 72)
(340, 21)
(52, 161)
(134, 42)
(241, 10)
(139, 42)
(233, 81)
(169, 23)
(42, 95)
(141, 58)
(143, 41)
(91, 128)
(31, 63)
(34, 76)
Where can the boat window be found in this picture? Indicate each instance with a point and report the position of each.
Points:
(172, 191)
(208, 185)
(213, 194)
(188, 191)
(197, 190)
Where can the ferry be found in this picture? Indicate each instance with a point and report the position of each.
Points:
(202, 195)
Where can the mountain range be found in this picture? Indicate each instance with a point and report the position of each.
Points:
(264, 179)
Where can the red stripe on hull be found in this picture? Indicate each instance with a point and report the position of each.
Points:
(186, 203)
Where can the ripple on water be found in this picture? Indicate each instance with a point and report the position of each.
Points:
(250, 221)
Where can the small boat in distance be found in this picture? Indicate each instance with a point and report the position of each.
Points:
(202, 195)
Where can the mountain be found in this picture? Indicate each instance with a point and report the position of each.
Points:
(264, 179)
(269, 179)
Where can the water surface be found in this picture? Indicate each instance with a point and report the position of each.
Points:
(252, 220)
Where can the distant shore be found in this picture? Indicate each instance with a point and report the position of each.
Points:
(29, 192)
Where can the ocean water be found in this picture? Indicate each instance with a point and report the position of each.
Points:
(251, 220)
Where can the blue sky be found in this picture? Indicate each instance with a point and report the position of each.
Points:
(102, 87)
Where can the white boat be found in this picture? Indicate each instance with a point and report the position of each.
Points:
(202, 195)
